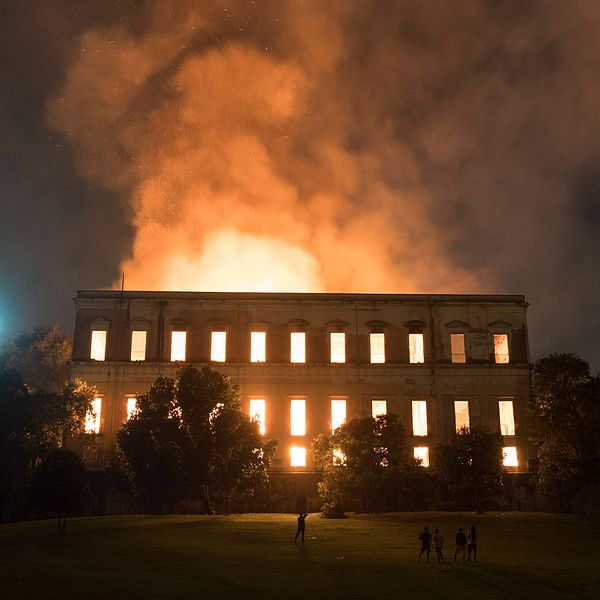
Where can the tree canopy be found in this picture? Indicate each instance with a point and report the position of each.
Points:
(189, 439)
(470, 463)
(41, 356)
(32, 421)
(565, 424)
(365, 463)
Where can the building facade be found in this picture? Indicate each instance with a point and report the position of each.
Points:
(306, 362)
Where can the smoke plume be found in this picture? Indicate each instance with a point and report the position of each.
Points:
(251, 153)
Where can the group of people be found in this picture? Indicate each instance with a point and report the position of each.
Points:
(466, 544)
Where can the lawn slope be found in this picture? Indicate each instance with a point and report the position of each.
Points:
(253, 556)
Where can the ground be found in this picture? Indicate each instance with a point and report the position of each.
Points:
(253, 556)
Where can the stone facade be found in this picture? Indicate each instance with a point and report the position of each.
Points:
(438, 381)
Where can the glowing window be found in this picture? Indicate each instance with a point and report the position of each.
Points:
(178, 343)
(298, 417)
(131, 406)
(297, 456)
(501, 354)
(415, 347)
(378, 407)
(138, 345)
(509, 454)
(377, 342)
(218, 345)
(338, 347)
(298, 347)
(422, 453)
(98, 346)
(461, 414)
(419, 417)
(258, 346)
(339, 458)
(457, 347)
(507, 417)
(92, 418)
(258, 414)
(338, 413)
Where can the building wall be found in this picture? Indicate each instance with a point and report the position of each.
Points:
(437, 380)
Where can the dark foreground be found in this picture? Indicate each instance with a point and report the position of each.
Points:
(253, 556)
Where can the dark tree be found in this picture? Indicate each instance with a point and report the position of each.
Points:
(32, 421)
(470, 463)
(365, 463)
(41, 356)
(58, 485)
(190, 440)
(565, 424)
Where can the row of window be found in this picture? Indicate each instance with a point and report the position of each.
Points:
(258, 346)
(258, 413)
(338, 417)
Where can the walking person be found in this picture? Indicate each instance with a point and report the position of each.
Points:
(438, 544)
(472, 547)
(461, 544)
(301, 527)
(425, 539)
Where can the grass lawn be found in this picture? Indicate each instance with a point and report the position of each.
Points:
(253, 556)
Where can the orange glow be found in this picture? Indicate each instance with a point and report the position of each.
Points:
(509, 454)
(377, 342)
(339, 458)
(98, 345)
(338, 347)
(457, 347)
(178, 345)
(507, 417)
(258, 346)
(258, 414)
(419, 417)
(218, 346)
(92, 418)
(415, 346)
(378, 407)
(297, 456)
(298, 347)
(461, 414)
(338, 413)
(422, 453)
(138, 345)
(131, 406)
(298, 417)
(501, 354)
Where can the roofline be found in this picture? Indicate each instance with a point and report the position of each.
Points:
(279, 296)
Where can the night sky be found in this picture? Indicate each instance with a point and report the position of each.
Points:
(377, 146)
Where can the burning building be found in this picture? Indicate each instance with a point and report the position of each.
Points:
(306, 362)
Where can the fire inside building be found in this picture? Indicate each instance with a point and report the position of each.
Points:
(307, 362)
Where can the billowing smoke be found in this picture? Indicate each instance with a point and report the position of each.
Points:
(251, 157)
(389, 146)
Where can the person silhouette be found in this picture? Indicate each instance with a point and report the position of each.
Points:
(472, 546)
(461, 544)
(438, 542)
(301, 526)
(425, 539)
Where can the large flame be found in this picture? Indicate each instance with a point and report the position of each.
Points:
(230, 261)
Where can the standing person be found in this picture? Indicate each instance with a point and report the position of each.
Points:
(301, 527)
(425, 539)
(461, 544)
(438, 544)
(472, 547)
